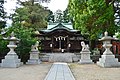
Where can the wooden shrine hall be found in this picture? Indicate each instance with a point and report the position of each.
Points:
(60, 37)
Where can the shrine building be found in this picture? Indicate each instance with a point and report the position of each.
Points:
(60, 37)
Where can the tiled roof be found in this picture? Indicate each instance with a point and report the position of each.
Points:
(53, 25)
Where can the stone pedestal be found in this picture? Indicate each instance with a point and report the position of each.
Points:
(34, 58)
(107, 59)
(11, 59)
(85, 54)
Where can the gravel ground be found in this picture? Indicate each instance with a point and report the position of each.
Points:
(25, 72)
(94, 72)
(80, 72)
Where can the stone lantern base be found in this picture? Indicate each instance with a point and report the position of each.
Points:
(11, 61)
(108, 61)
(34, 58)
(85, 58)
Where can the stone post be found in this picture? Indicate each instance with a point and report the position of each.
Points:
(11, 59)
(107, 59)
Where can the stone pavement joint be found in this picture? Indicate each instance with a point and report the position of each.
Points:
(59, 71)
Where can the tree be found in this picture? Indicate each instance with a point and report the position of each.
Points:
(50, 16)
(31, 15)
(41, 1)
(92, 17)
(2, 15)
(3, 47)
(25, 43)
(66, 16)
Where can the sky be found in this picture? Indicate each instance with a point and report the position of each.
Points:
(54, 5)
(58, 4)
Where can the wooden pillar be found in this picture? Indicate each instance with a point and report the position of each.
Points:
(114, 47)
(52, 44)
(68, 42)
(119, 48)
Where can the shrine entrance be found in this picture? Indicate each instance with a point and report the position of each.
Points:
(60, 43)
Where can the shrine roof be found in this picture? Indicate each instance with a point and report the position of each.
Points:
(54, 26)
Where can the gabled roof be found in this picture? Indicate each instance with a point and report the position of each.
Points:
(54, 26)
(60, 26)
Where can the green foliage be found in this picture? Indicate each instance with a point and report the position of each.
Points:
(26, 40)
(3, 46)
(2, 24)
(66, 18)
(50, 16)
(31, 15)
(92, 17)
(2, 15)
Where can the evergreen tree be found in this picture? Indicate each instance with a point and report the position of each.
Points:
(31, 15)
(92, 17)
(66, 18)
(2, 15)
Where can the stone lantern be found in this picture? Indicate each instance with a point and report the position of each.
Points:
(107, 59)
(11, 59)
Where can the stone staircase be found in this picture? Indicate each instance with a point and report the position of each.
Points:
(60, 57)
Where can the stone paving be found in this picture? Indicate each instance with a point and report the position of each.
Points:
(59, 71)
